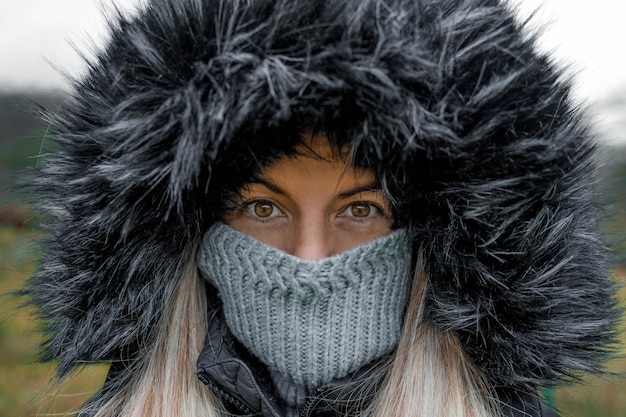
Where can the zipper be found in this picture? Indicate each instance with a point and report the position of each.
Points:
(308, 405)
(224, 395)
(306, 409)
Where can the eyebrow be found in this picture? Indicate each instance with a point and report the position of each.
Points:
(268, 184)
(373, 186)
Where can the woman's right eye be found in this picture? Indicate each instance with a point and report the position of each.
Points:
(263, 209)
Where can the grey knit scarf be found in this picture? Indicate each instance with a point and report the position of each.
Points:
(312, 321)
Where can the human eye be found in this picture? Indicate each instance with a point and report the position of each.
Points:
(362, 210)
(262, 209)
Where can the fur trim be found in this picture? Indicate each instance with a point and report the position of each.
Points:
(491, 160)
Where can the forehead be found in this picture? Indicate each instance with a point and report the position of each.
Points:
(316, 160)
(319, 146)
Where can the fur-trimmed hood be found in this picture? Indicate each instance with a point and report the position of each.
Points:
(448, 98)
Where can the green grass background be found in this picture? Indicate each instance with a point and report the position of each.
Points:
(28, 388)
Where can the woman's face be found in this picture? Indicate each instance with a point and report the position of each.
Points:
(312, 205)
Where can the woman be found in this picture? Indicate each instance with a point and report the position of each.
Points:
(323, 208)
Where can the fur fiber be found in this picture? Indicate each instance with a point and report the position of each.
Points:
(491, 162)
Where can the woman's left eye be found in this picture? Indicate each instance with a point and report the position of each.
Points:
(361, 210)
(262, 209)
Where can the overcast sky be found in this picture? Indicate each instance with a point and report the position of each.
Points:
(588, 36)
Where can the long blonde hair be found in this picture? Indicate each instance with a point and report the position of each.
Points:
(429, 376)
(165, 384)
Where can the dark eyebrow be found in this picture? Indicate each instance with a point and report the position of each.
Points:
(372, 186)
(268, 184)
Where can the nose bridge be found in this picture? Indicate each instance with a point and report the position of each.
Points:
(313, 239)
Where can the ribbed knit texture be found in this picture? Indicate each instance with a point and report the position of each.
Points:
(310, 320)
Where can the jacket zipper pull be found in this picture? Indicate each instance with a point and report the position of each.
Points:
(308, 405)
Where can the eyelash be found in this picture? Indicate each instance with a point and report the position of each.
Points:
(250, 208)
(373, 210)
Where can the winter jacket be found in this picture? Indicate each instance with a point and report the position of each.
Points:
(474, 130)
(243, 385)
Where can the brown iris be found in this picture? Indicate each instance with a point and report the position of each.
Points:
(360, 210)
(263, 208)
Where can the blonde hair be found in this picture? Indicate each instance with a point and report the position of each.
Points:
(428, 376)
(165, 385)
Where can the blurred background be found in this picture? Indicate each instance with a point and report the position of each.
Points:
(39, 44)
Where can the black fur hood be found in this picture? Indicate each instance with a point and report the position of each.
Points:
(449, 99)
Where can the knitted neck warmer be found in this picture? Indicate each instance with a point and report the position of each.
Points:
(312, 321)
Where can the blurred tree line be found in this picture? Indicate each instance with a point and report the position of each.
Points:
(21, 135)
